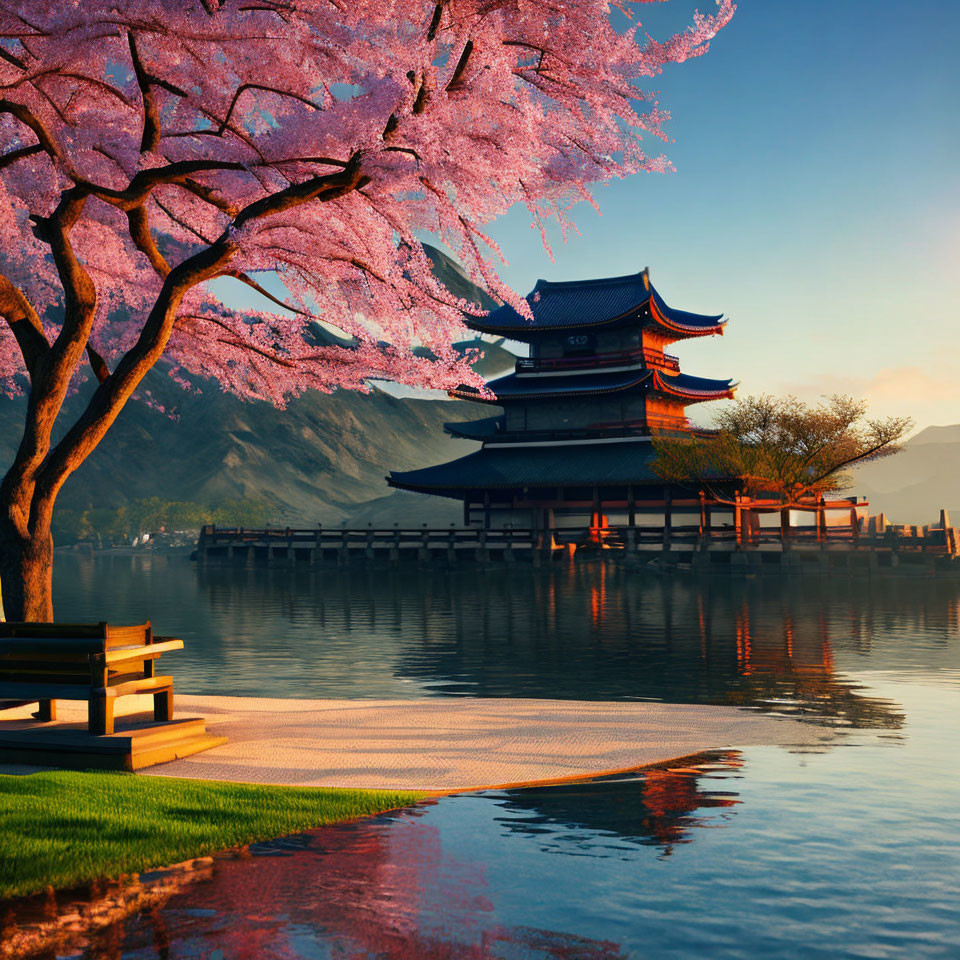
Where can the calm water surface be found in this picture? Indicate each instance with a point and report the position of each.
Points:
(847, 851)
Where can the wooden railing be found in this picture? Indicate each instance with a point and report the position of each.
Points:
(318, 543)
(597, 361)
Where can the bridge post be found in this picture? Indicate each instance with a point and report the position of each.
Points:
(395, 547)
(368, 551)
(423, 554)
(452, 545)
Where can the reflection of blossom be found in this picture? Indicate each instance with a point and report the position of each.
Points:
(379, 888)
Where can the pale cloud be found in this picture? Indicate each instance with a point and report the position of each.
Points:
(928, 396)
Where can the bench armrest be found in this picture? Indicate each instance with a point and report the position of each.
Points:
(146, 652)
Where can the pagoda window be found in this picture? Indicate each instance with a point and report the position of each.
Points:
(579, 345)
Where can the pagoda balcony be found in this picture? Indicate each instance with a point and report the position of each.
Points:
(624, 358)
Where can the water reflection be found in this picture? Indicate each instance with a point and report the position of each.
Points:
(393, 888)
(663, 807)
(582, 631)
(845, 853)
(383, 889)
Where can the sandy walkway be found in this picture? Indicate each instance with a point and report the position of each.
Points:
(455, 744)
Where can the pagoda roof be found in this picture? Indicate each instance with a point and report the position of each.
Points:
(548, 466)
(524, 387)
(573, 304)
(692, 389)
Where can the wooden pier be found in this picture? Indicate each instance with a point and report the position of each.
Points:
(871, 547)
(332, 545)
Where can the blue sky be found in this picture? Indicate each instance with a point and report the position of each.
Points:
(816, 201)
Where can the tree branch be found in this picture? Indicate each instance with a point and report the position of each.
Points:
(97, 364)
(25, 324)
(151, 111)
(461, 66)
(250, 282)
(113, 393)
(14, 155)
(139, 222)
(27, 117)
(267, 89)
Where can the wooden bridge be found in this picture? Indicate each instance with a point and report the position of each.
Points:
(871, 545)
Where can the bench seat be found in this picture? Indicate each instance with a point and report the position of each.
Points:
(94, 662)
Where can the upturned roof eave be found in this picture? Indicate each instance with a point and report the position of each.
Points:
(587, 390)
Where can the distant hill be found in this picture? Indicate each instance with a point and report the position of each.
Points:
(315, 461)
(318, 460)
(912, 486)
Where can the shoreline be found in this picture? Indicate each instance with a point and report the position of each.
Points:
(436, 746)
(449, 745)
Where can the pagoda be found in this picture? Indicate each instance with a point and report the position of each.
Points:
(572, 447)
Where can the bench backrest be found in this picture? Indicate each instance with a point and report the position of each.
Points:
(59, 653)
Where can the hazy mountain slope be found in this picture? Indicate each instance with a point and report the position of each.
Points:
(314, 461)
(408, 510)
(912, 486)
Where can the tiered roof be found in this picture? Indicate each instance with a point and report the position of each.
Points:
(504, 468)
(575, 304)
(587, 384)
(612, 454)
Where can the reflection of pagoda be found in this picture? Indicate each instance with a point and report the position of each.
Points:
(663, 806)
(573, 441)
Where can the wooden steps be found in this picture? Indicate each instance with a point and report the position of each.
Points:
(137, 743)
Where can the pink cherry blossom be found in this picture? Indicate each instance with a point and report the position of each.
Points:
(150, 147)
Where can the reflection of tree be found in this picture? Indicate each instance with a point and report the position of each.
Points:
(381, 888)
(661, 807)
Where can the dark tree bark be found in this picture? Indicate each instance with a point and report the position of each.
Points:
(26, 572)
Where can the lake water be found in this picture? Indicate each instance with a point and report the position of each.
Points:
(851, 850)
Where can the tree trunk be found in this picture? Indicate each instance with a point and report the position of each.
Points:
(26, 573)
(785, 532)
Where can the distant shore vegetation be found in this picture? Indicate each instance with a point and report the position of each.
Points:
(128, 522)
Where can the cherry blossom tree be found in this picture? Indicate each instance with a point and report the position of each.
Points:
(150, 147)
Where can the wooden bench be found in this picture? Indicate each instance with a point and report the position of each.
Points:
(95, 662)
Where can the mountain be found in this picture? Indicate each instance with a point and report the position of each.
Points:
(912, 486)
(316, 461)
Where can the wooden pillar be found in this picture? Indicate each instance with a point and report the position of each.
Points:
(466, 511)
(854, 525)
(631, 506)
(785, 528)
(738, 518)
(703, 514)
(486, 509)
(821, 520)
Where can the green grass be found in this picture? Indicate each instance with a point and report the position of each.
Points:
(64, 828)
